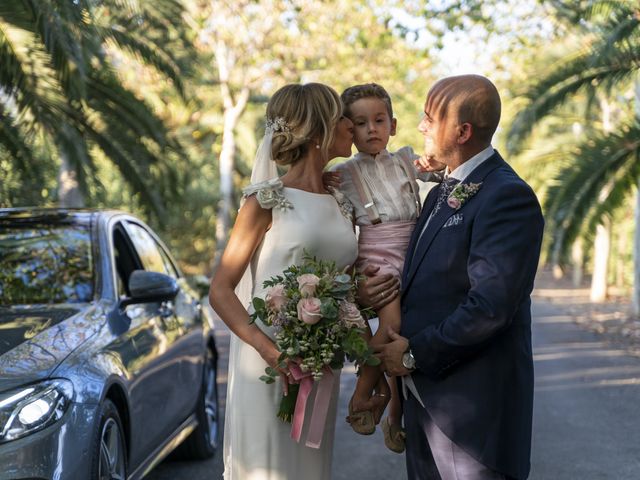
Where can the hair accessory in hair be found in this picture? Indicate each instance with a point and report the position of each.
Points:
(278, 124)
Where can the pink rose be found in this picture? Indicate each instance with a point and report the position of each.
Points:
(307, 284)
(309, 310)
(350, 314)
(453, 202)
(275, 298)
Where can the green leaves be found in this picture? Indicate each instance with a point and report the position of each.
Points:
(271, 375)
(329, 308)
(611, 55)
(593, 171)
(316, 322)
(608, 169)
(61, 88)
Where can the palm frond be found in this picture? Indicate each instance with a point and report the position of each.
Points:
(611, 56)
(148, 53)
(108, 96)
(580, 74)
(62, 28)
(594, 183)
(29, 80)
(56, 81)
(72, 145)
(129, 168)
(16, 143)
(622, 184)
(166, 17)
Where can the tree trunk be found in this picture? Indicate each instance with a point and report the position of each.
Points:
(620, 259)
(233, 109)
(602, 245)
(556, 266)
(635, 294)
(69, 194)
(226, 168)
(577, 260)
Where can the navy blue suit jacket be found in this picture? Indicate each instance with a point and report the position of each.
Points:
(466, 312)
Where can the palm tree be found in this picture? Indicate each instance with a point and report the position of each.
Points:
(602, 170)
(59, 90)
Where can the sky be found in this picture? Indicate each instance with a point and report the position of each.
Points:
(470, 50)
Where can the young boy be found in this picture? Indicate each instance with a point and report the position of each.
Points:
(383, 189)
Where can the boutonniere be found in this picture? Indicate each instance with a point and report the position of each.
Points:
(461, 193)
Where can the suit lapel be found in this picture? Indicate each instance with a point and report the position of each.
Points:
(476, 176)
(428, 205)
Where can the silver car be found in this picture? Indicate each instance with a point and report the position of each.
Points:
(107, 359)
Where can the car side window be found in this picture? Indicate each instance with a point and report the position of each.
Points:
(168, 263)
(125, 258)
(148, 250)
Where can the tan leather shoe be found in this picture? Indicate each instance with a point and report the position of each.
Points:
(394, 436)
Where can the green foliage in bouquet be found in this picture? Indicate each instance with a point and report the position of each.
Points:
(317, 321)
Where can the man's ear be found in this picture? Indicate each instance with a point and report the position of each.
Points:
(394, 123)
(465, 132)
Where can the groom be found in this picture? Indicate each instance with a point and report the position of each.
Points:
(464, 353)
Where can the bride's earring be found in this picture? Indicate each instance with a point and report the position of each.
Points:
(317, 145)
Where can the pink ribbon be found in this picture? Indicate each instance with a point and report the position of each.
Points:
(320, 406)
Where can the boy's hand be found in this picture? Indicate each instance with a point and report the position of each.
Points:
(428, 164)
(331, 179)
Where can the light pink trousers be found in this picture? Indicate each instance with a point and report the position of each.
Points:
(384, 245)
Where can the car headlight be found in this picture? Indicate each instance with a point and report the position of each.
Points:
(32, 408)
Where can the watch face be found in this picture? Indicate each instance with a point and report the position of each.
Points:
(408, 361)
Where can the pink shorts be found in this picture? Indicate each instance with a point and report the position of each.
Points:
(384, 245)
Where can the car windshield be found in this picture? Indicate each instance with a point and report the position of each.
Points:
(44, 264)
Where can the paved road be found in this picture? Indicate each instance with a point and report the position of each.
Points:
(587, 401)
(586, 422)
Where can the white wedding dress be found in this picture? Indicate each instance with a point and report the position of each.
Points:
(257, 444)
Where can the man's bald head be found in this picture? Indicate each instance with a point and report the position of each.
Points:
(469, 98)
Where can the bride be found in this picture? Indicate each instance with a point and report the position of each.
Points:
(280, 218)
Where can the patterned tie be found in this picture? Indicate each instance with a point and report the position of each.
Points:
(444, 190)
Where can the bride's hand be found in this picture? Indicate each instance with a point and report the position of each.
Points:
(377, 290)
(271, 355)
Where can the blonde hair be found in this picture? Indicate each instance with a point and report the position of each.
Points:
(310, 113)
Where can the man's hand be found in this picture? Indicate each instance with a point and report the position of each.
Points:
(390, 354)
(429, 164)
(376, 291)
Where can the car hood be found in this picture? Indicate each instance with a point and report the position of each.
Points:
(35, 340)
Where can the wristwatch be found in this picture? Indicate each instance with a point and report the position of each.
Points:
(408, 360)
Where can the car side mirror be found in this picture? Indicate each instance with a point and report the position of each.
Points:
(145, 287)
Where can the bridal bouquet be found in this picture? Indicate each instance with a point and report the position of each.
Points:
(317, 323)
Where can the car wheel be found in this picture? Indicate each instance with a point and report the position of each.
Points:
(109, 461)
(202, 442)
